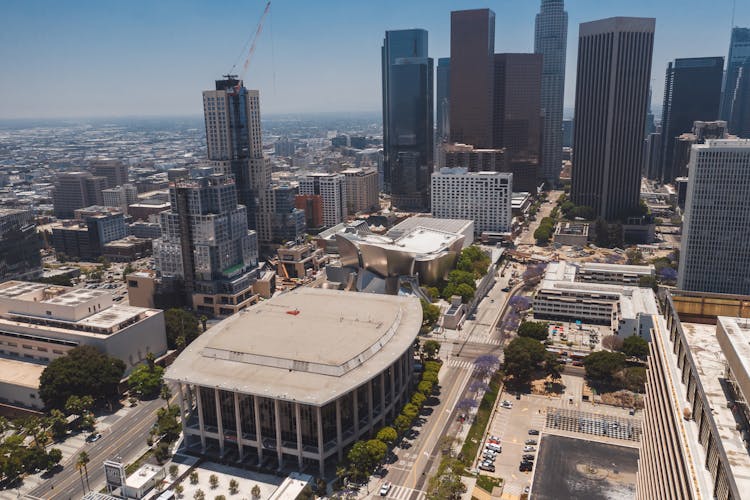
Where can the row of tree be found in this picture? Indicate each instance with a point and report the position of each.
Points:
(472, 264)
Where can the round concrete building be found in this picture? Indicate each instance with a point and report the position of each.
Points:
(294, 380)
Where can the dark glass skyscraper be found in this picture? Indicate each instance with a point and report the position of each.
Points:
(740, 119)
(472, 77)
(613, 74)
(739, 52)
(692, 91)
(550, 40)
(443, 99)
(407, 117)
(517, 116)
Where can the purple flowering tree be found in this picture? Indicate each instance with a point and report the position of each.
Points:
(519, 303)
(486, 364)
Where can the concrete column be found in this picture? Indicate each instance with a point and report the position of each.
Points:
(339, 440)
(356, 413)
(183, 420)
(382, 397)
(298, 421)
(321, 448)
(277, 419)
(370, 409)
(237, 419)
(219, 423)
(199, 402)
(256, 406)
(393, 390)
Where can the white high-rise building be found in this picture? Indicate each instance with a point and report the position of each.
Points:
(484, 197)
(714, 254)
(120, 196)
(361, 189)
(332, 189)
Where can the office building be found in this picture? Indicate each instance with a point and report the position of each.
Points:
(483, 197)
(120, 197)
(284, 147)
(288, 222)
(739, 54)
(312, 206)
(652, 166)
(714, 254)
(443, 113)
(456, 155)
(115, 171)
(550, 40)
(695, 423)
(407, 117)
(692, 92)
(39, 323)
(205, 244)
(84, 237)
(361, 190)
(332, 190)
(19, 245)
(614, 70)
(472, 77)
(683, 144)
(299, 377)
(233, 138)
(74, 190)
(299, 260)
(740, 117)
(517, 116)
(567, 133)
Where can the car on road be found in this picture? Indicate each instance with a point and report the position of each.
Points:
(528, 457)
(487, 467)
(525, 466)
(506, 404)
(506, 289)
(528, 449)
(533, 432)
(530, 441)
(93, 438)
(526, 490)
(385, 489)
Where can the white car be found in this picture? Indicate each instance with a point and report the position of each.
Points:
(385, 489)
(528, 449)
(506, 404)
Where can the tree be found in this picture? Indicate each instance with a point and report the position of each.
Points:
(402, 423)
(194, 477)
(53, 458)
(552, 366)
(601, 232)
(425, 387)
(432, 292)
(179, 490)
(430, 377)
(668, 274)
(466, 292)
(431, 348)
(648, 282)
(128, 269)
(601, 366)
(458, 277)
(533, 272)
(430, 315)
(146, 380)
(387, 435)
(173, 471)
(538, 330)
(522, 357)
(199, 495)
(180, 323)
(167, 425)
(635, 346)
(75, 405)
(418, 399)
(83, 461)
(58, 424)
(466, 404)
(364, 455)
(612, 342)
(83, 371)
(220, 497)
(255, 492)
(633, 378)
(410, 411)
(634, 256)
(486, 364)
(204, 321)
(213, 480)
(234, 486)
(519, 303)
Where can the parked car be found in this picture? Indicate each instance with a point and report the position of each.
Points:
(487, 456)
(506, 404)
(533, 432)
(488, 467)
(493, 447)
(494, 439)
(530, 441)
(385, 489)
(528, 457)
(528, 449)
(525, 466)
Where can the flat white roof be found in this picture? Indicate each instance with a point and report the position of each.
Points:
(21, 373)
(616, 268)
(309, 345)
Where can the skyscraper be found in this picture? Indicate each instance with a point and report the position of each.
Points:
(740, 119)
(714, 251)
(233, 137)
(75, 190)
(692, 92)
(614, 69)
(472, 77)
(443, 99)
(550, 40)
(739, 53)
(407, 117)
(206, 244)
(517, 116)
(332, 189)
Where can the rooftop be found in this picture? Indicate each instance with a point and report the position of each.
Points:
(458, 226)
(21, 373)
(309, 345)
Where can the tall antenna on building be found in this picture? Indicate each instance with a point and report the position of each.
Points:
(734, 9)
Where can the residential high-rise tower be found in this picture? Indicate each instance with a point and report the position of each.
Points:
(614, 70)
(407, 117)
(550, 40)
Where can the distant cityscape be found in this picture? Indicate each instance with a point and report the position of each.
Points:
(472, 293)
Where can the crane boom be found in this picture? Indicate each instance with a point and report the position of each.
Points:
(255, 39)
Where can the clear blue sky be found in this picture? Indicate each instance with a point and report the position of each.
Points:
(153, 57)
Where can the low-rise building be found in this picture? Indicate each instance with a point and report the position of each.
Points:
(127, 249)
(294, 260)
(571, 233)
(85, 237)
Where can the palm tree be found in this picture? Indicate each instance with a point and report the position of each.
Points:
(79, 467)
(204, 320)
(83, 459)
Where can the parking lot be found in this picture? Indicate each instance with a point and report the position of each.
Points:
(571, 468)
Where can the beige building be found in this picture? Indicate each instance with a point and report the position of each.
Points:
(39, 323)
(361, 190)
(695, 431)
(295, 260)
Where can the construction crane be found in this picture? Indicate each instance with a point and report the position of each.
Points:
(251, 50)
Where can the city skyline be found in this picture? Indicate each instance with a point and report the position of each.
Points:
(125, 46)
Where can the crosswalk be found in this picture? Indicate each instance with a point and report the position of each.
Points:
(485, 338)
(405, 493)
(461, 363)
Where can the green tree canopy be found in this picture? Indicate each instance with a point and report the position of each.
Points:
(537, 330)
(146, 380)
(466, 292)
(430, 314)
(83, 371)
(387, 435)
(635, 346)
(522, 357)
(364, 455)
(431, 348)
(601, 366)
(180, 323)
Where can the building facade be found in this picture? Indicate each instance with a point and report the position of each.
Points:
(361, 190)
(692, 92)
(332, 190)
(233, 138)
(714, 255)
(443, 103)
(75, 190)
(115, 171)
(740, 117)
(84, 238)
(19, 245)
(550, 40)
(455, 155)
(739, 54)
(121, 197)
(614, 70)
(206, 245)
(407, 117)
(484, 197)
(247, 394)
(288, 222)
